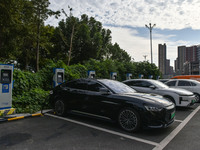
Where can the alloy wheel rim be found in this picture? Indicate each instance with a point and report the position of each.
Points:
(197, 97)
(128, 120)
(59, 107)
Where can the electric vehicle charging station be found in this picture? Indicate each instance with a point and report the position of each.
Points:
(6, 85)
(141, 76)
(91, 74)
(58, 76)
(128, 76)
(113, 75)
(150, 76)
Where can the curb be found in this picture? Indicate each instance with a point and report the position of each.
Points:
(20, 117)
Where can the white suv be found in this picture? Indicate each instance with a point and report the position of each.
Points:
(190, 85)
(180, 97)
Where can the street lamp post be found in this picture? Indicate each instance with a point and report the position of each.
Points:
(150, 29)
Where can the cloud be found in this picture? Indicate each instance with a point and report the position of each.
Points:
(176, 14)
(123, 17)
(137, 46)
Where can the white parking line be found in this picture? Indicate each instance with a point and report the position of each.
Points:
(106, 130)
(178, 120)
(166, 141)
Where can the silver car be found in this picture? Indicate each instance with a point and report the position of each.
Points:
(188, 84)
(180, 97)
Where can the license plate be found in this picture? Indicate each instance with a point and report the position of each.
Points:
(172, 115)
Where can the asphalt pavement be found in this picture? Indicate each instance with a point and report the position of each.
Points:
(81, 133)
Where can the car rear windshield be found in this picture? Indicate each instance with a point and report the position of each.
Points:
(117, 87)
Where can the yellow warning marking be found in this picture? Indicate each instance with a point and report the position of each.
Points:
(36, 114)
(15, 118)
(12, 111)
(6, 112)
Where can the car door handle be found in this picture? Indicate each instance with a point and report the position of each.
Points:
(66, 89)
(109, 102)
(73, 90)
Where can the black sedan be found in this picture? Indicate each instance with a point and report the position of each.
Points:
(110, 99)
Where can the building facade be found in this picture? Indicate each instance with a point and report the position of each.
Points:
(188, 60)
(162, 58)
(163, 62)
(181, 59)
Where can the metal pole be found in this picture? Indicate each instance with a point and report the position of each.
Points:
(151, 43)
(150, 29)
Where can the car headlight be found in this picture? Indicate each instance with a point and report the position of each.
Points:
(153, 108)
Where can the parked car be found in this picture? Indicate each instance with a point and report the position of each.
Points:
(112, 100)
(188, 84)
(192, 77)
(180, 97)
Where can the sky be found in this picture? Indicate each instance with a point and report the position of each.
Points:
(177, 23)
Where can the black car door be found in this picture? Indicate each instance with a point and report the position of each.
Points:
(96, 102)
(74, 93)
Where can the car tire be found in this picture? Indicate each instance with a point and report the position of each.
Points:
(197, 97)
(60, 108)
(129, 120)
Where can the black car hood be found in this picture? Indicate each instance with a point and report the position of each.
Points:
(152, 98)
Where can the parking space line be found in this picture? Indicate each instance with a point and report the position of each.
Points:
(106, 130)
(178, 120)
(166, 141)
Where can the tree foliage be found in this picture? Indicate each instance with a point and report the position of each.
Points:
(25, 39)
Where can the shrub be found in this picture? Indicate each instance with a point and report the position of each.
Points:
(30, 102)
(31, 89)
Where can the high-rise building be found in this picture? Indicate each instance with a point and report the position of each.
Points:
(167, 67)
(198, 52)
(181, 59)
(187, 59)
(162, 58)
(176, 64)
(191, 54)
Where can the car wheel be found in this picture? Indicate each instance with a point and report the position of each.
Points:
(60, 108)
(129, 120)
(197, 97)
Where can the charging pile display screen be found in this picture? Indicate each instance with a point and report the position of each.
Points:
(60, 78)
(5, 76)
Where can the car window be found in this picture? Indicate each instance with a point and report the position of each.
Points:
(171, 83)
(117, 87)
(94, 86)
(193, 84)
(78, 84)
(184, 83)
(145, 84)
(70, 84)
(133, 83)
(82, 85)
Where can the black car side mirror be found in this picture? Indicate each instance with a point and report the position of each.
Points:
(104, 91)
(152, 87)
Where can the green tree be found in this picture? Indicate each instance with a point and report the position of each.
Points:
(147, 69)
(116, 53)
(41, 13)
(10, 14)
(90, 39)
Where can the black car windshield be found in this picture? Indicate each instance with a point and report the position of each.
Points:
(159, 84)
(117, 86)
